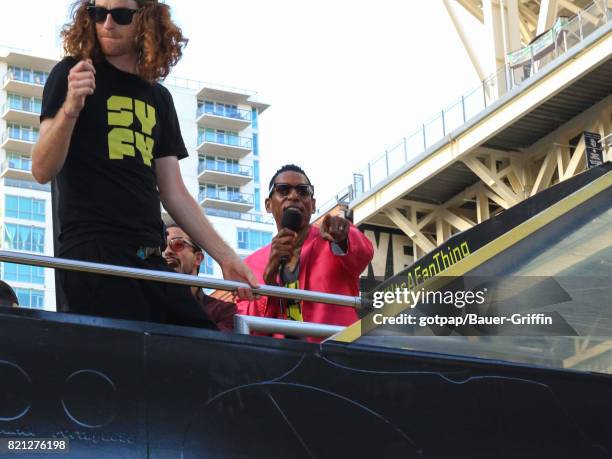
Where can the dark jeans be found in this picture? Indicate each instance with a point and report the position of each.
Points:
(124, 298)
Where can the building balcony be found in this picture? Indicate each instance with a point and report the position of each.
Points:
(226, 173)
(29, 85)
(247, 217)
(225, 145)
(228, 200)
(18, 141)
(227, 119)
(16, 169)
(21, 113)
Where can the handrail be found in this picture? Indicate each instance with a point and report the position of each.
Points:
(176, 278)
(235, 114)
(230, 196)
(225, 139)
(228, 168)
(11, 164)
(246, 324)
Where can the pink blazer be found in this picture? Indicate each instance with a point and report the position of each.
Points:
(320, 270)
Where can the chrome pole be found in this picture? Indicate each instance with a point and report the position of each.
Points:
(176, 278)
(246, 324)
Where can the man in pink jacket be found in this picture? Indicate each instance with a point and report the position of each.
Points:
(327, 259)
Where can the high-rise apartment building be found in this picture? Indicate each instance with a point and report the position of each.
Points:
(221, 131)
(219, 127)
(25, 205)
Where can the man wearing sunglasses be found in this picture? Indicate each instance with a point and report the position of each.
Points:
(184, 256)
(326, 259)
(110, 140)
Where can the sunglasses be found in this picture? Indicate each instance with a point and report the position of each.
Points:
(284, 189)
(121, 16)
(177, 244)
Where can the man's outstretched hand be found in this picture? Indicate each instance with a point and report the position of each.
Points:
(335, 229)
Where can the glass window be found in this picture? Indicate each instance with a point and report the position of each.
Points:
(254, 117)
(21, 132)
(233, 139)
(14, 101)
(256, 171)
(243, 235)
(25, 208)
(19, 161)
(30, 298)
(257, 200)
(220, 135)
(253, 239)
(12, 206)
(231, 111)
(207, 266)
(20, 237)
(255, 144)
(26, 104)
(24, 273)
(40, 77)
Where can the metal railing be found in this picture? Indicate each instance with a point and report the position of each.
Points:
(344, 196)
(246, 324)
(34, 77)
(26, 184)
(198, 85)
(228, 168)
(23, 106)
(26, 136)
(233, 113)
(225, 139)
(562, 38)
(176, 278)
(230, 196)
(16, 165)
(258, 218)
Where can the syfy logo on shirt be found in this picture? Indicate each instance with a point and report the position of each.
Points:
(124, 140)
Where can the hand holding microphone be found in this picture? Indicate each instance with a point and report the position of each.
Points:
(283, 244)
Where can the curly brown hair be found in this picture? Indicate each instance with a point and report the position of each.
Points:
(159, 41)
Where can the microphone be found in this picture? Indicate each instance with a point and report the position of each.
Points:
(292, 219)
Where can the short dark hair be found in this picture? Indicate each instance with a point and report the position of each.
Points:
(7, 295)
(174, 225)
(290, 168)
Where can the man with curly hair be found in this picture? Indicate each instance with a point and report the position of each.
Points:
(110, 138)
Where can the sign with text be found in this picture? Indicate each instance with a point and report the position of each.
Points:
(593, 149)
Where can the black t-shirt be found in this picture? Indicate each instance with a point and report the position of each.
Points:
(108, 185)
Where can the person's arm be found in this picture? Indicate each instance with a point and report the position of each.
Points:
(357, 250)
(49, 153)
(190, 217)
